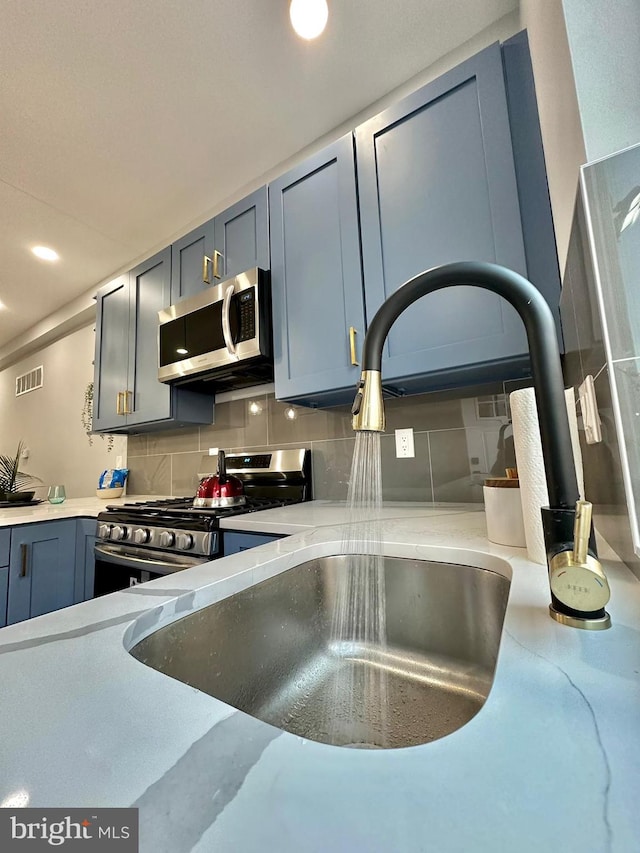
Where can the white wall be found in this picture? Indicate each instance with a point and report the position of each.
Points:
(48, 420)
(604, 38)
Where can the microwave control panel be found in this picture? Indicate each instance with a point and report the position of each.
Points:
(247, 310)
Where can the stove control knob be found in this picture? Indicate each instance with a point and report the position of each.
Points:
(104, 531)
(167, 538)
(141, 536)
(184, 541)
(119, 532)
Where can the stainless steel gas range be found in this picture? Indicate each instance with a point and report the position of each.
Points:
(141, 541)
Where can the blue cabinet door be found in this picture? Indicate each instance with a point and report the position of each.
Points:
(111, 355)
(190, 269)
(316, 276)
(242, 235)
(233, 542)
(149, 292)
(437, 184)
(5, 543)
(4, 589)
(42, 573)
(85, 558)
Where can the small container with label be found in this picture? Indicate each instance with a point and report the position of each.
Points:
(503, 509)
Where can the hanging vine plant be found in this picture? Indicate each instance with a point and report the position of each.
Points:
(86, 418)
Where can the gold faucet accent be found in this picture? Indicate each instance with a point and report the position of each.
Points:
(576, 578)
(368, 408)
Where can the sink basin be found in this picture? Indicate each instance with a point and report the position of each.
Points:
(269, 652)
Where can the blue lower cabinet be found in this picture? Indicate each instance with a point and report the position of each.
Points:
(233, 543)
(4, 588)
(5, 543)
(42, 569)
(85, 558)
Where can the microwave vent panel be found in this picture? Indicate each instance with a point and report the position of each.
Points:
(30, 381)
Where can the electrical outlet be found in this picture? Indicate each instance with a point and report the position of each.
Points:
(404, 443)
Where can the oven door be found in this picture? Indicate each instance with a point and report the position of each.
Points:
(120, 567)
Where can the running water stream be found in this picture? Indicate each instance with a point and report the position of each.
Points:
(357, 698)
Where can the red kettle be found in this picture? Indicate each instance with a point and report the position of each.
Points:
(220, 490)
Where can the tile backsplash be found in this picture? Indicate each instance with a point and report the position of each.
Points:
(456, 446)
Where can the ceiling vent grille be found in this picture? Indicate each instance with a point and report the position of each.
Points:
(30, 381)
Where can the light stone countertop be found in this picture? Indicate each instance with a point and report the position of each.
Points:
(71, 508)
(551, 762)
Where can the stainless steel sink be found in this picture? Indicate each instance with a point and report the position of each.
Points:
(269, 652)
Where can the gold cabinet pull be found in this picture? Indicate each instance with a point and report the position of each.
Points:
(24, 559)
(352, 346)
(120, 403)
(217, 256)
(215, 264)
(128, 398)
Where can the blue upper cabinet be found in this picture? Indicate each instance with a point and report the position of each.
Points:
(149, 292)
(242, 236)
(453, 172)
(127, 394)
(112, 353)
(234, 241)
(437, 184)
(531, 174)
(316, 276)
(191, 263)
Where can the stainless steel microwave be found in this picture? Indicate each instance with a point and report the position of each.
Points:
(220, 339)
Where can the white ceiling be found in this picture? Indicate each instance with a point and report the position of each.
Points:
(122, 122)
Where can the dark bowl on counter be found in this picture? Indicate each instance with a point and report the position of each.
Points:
(22, 497)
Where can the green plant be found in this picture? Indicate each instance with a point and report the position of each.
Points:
(11, 478)
(86, 418)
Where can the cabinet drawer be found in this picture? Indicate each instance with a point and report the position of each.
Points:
(5, 539)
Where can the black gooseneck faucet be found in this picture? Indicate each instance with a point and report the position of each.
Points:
(579, 588)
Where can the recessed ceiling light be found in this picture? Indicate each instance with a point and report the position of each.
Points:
(45, 253)
(308, 17)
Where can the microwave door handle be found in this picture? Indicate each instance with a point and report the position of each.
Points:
(226, 321)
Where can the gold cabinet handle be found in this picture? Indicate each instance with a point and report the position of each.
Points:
(352, 345)
(217, 256)
(24, 560)
(128, 398)
(120, 403)
(215, 263)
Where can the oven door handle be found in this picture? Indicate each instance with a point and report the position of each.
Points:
(150, 563)
(226, 321)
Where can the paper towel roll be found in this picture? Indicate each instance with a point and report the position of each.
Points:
(528, 448)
